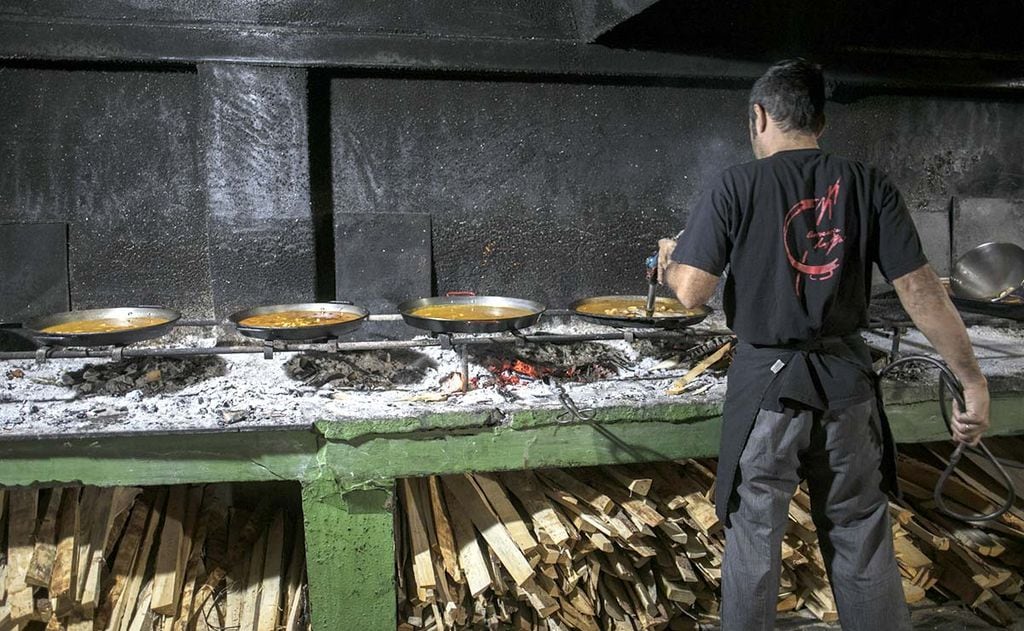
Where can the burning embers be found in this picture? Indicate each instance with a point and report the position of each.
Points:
(511, 366)
(148, 375)
(363, 370)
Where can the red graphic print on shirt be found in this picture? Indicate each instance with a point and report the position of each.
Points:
(813, 253)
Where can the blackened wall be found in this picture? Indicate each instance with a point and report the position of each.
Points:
(113, 154)
(255, 165)
(555, 191)
(489, 18)
(199, 189)
(543, 190)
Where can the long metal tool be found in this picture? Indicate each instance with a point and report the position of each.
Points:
(652, 284)
(950, 385)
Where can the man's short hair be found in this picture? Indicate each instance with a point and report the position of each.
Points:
(792, 92)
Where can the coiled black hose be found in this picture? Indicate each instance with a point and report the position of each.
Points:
(949, 384)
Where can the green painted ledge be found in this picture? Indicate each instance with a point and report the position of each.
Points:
(159, 459)
(435, 443)
(618, 435)
(357, 432)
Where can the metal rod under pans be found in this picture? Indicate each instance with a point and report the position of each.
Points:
(364, 346)
(373, 317)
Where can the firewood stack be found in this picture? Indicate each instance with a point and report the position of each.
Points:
(157, 559)
(640, 547)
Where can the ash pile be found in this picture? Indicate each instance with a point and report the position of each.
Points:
(148, 375)
(364, 370)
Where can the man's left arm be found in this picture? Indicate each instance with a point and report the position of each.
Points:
(692, 286)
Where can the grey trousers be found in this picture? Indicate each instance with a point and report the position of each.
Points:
(839, 455)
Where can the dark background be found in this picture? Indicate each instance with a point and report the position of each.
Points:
(201, 154)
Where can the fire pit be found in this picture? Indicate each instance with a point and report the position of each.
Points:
(584, 362)
(147, 375)
(361, 369)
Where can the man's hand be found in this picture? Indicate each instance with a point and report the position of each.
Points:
(929, 306)
(970, 424)
(693, 287)
(665, 249)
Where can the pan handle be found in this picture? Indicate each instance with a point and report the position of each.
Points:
(11, 325)
(450, 294)
(153, 307)
(342, 302)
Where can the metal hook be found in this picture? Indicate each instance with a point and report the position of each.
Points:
(580, 414)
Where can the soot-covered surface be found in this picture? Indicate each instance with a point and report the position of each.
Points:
(256, 394)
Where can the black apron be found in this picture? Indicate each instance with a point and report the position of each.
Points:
(826, 374)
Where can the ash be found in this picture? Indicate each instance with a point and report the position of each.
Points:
(255, 393)
(146, 375)
(362, 369)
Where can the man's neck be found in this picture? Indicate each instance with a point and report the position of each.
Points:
(790, 143)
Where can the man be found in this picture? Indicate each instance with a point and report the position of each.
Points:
(798, 230)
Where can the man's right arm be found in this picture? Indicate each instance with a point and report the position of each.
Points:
(933, 313)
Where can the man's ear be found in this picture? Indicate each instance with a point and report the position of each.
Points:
(760, 118)
(821, 128)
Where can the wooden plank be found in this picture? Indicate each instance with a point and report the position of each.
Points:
(419, 541)
(93, 564)
(250, 594)
(79, 623)
(270, 590)
(21, 525)
(248, 533)
(908, 554)
(120, 511)
(539, 599)
(442, 525)
(506, 512)
(636, 485)
(217, 504)
(294, 575)
(41, 566)
(165, 595)
(497, 537)
(192, 505)
(527, 489)
(561, 480)
(210, 512)
(642, 510)
(471, 559)
(143, 618)
(87, 503)
(130, 599)
(295, 610)
(134, 529)
(236, 574)
(61, 590)
(43, 609)
(679, 385)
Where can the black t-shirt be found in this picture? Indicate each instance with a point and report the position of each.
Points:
(798, 232)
